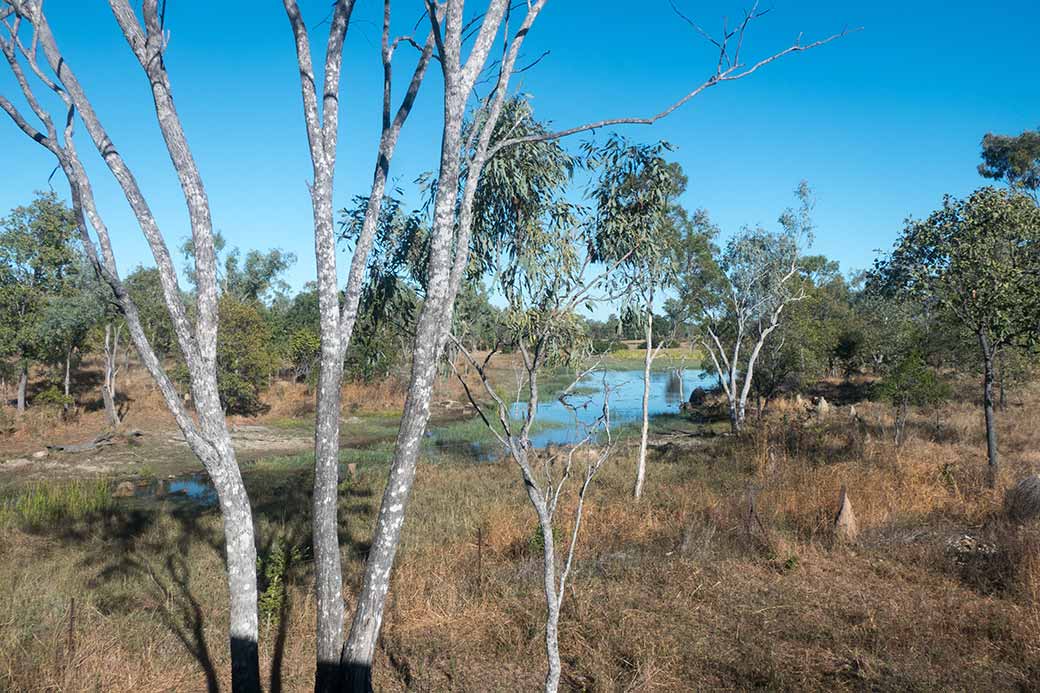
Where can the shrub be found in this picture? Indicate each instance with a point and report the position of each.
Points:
(52, 396)
(245, 361)
(911, 382)
(274, 569)
(304, 347)
(607, 346)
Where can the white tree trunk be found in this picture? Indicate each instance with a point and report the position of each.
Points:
(645, 429)
(108, 392)
(207, 437)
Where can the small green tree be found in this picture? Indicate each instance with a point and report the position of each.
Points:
(739, 300)
(911, 383)
(37, 255)
(978, 260)
(244, 359)
(67, 321)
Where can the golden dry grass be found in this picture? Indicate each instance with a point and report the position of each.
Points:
(677, 592)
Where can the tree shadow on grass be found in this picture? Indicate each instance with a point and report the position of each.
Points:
(160, 547)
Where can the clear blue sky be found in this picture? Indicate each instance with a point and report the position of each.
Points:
(882, 122)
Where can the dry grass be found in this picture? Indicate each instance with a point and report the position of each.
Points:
(678, 592)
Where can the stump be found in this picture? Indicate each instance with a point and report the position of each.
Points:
(1022, 501)
(846, 529)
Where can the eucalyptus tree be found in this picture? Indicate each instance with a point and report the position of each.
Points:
(977, 259)
(1014, 159)
(738, 301)
(634, 196)
(28, 35)
(114, 327)
(256, 278)
(338, 316)
(534, 248)
(465, 152)
(71, 314)
(37, 259)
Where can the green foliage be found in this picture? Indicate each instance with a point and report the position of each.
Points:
(145, 288)
(911, 382)
(976, 259)
(256, 279)
(245, 361)
(1015, 159)
(607, 346)
(38, 256)
(48, 504)
(536, 543)
(274, 569)
(52, 396)
(849, 349)
(303, 350)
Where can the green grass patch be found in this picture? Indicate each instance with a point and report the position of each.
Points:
(49, 503)
(632, 359)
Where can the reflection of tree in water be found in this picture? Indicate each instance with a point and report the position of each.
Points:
(674, 387)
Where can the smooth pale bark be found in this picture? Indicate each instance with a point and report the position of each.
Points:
(444, 272)
(337, 321)
(993, 456)
(644, 432)
(552, 599)
(359, 649)
(208, 438)
(108, 384)
(322, 136)
(450, 235)
(68, 380)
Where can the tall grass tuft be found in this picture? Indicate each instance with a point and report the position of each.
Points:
(49, 503)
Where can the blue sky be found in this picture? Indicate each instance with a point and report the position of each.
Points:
(882, 123)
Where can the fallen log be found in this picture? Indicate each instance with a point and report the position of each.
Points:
(103, 440)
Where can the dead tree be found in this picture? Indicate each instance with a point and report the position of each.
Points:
(29, 34)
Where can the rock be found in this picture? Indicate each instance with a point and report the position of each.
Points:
(352, 420)
(125, 489)
(1022, 501)
(846, 529)
(852, 412)
(822, 408)
(698, 396)
(40, 454)
(965, 549)
(17, 462)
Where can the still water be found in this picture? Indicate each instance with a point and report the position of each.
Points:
(623, 391)
(565, 423)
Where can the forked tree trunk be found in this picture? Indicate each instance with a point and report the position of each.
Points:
(208, 436)
(645, 429)
(359, 650)
(987, 406)
(108, 387)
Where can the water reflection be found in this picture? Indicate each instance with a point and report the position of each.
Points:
(566, 424)
(668, 389)
(195, 487)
